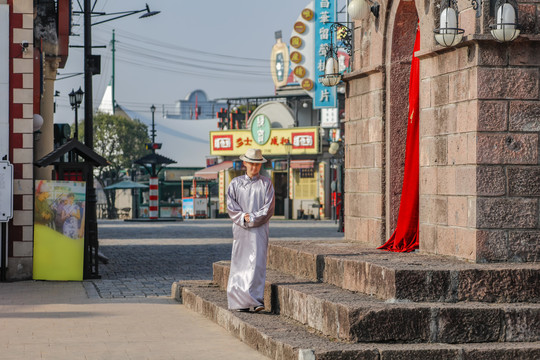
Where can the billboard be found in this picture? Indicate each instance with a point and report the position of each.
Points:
(59, 212)
(270, 141)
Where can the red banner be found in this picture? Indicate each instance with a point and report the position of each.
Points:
(405, 237)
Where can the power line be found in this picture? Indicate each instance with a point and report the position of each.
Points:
(153, 42)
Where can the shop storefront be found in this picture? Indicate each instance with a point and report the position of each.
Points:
(295, 165)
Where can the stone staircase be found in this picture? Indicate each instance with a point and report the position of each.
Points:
(337, 300)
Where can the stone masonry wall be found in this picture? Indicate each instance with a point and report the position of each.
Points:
(20, 229)
(479, 129)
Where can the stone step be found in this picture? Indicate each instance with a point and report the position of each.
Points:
(405, 276)
(280, 338)
(356, 317)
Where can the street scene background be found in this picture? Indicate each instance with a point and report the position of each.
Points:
(145, 258)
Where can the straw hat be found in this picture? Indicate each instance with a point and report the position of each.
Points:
(253, 156)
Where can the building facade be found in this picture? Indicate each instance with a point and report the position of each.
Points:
(34, 39)
(479, 129)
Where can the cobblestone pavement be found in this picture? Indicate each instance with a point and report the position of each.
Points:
(145, 258)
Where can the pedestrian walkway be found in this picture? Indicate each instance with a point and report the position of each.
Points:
(129, 312)
(57, 320)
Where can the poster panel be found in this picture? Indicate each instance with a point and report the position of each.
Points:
(59, 212)
(187, 207)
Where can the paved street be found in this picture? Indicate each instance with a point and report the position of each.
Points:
(146, 258)
(128, 314)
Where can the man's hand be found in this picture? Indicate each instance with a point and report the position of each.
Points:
(246, 217)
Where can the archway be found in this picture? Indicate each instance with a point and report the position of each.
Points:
(403, 20)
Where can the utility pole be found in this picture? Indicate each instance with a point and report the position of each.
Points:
(113, 42)
(90, 231)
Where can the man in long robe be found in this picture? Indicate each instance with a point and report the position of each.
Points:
(250, 204)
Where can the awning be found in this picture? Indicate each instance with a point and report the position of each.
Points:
(213, 171)
(302, 164)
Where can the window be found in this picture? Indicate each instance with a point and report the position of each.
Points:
(305, 188)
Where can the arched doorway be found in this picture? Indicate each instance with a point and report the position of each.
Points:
(403, 20)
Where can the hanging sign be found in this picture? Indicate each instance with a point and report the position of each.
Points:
(325, 11)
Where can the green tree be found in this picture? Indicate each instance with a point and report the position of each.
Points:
(121, 141)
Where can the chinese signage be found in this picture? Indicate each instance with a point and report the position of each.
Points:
(324, 97)
(279, 66)
(236, 142)
(260, 129)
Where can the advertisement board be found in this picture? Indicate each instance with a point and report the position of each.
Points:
(59, 213)
(236, 142)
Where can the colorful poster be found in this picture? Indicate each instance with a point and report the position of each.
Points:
(187, 207)
(59, 213)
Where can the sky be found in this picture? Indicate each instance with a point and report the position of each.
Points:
(221, 47)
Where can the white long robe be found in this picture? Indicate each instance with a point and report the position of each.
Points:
(253, 196)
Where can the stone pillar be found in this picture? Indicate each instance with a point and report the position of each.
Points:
(45, 144)
(479, 176)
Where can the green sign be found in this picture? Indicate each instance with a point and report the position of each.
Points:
(260, 129)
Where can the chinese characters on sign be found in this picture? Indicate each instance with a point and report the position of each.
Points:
(324, 97)
(235, 142)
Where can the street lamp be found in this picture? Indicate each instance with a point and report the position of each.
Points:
(75, 100)
(287, 206)
(153, 110)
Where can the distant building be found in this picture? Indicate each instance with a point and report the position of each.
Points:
(195, 106)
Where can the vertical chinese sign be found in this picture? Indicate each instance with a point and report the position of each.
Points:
(325, 10)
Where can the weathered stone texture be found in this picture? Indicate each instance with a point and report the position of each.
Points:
(423, 285)
(490, 181)
(390, 324)
(491, 245)
(525, 115)
(458, 325)
(498, 286)
(522, 325)
(508, 83)
(524, 246)
(492, 116)
(501, 354)
(526, 53)
(500, 213)
(524, 181)
(510, 148)
(527, 18)
(433, 151)
(492, 54)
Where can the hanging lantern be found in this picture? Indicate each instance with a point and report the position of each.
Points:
(449, 34)
(506, 27)
(360, 9)
(331, 76)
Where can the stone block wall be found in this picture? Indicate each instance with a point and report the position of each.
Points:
(479, 130)
(507, 153)
(364, 158)
(21, 100)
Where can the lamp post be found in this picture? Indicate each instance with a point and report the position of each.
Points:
(75, 100)
(90, 66)
(153, 133)
(287, 205)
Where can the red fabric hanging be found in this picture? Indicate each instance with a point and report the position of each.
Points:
(405, 237)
